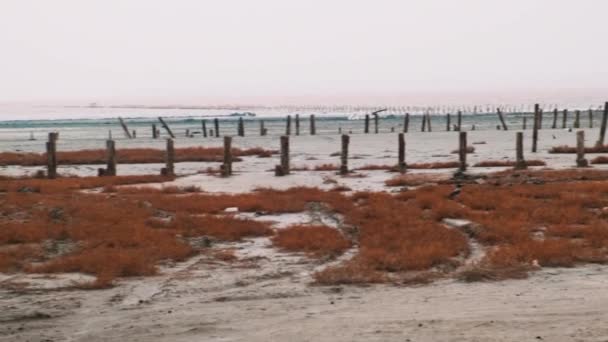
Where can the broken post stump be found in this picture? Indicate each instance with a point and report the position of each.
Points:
(520, 163)
(51, 154)
(154, 132)
(283, 168)
(169, 169)
(262, 128)
(226, 168)
(580, 150)
(111, 158)
(344, 155)
(313, 127)
(462, 151)
(401, 154)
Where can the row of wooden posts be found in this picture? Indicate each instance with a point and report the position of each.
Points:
(283, 168)
(425, 124)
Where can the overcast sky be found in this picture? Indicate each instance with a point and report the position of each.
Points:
(201, 51)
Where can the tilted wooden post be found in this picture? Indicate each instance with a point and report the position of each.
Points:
(169, 169)
(448, 123)
(283, 168)
(125, 128)
(577, 119)
(111, 158)
(216, 123)
(401, 155)
(51, 155)
(590, 118)
(600, 141)
(154, 132)
(535, 128)
(366, 128)
(459, 121)
(406, 122)
(580, 150)
(554, 125)
(241, 128)
(462, 151)
(344, 155)
(226, 167)
(564, 118)
(288, 125)
(313, 126)
(520, 163)
(297, 124)
(166, 127)
(376, 123)
(502, 119)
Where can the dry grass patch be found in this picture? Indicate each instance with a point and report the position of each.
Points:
(508, 163)
(572, 149)
(317, 241)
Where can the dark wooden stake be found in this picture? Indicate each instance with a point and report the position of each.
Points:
(344, 155)
(462, 151)
(554, 125)
(577, 119)
(241, 128)
(535, 128)
(262, 128)
(448, 122)
(366, 128)
(600, 141)
(580, 150)
(297, 124)
(401, 155)
(111, 158)
(376, 117)
(423, 128)
(154, 132)
(590, 118)
(525, 123)
(564, 118)
(520, 163)
(166, 127)
(51, 155)
(204, 127)
(125, 128)
(226, 167)
(288, 125)
(406, 122)
(313, 127)
(502, 119)
(283, 168)
(428, 124)
(169, 169)
(459, 121)
(216, 124)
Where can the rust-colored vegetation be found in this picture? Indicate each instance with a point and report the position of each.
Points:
(508, 163)
(318, 241)
(435, 165)
(600, 160)
(572, 149)
(131, 156)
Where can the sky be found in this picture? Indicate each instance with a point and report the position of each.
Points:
(316, 51)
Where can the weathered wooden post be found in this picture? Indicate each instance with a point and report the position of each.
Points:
(401, 155)
(577, 119)
(313, 126)
(590, 118)
(462, 151)
(376, 123)
(51, 155)
(423, 128)
(459, 121)
(580, 150)
(406, 122)
(204, 127)
(288, 125)
(169, 169)
(344, 155)
(540, 118)
(216, 123)
(502, 119)
(226, 167)
(134, 134)
(262, 128)
(428, 124)
(520, 163)
(154, 132)
(448, 123)
(535, 128)
(187, 133)
(283, 168)
(524, 125)
(125, 128)
(554, 125)
(166, 127)
(241, 128)
(111, 158)
(297, 124)
(366, 128)
(564, 118)
(600, 141)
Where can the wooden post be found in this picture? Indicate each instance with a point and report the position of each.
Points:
(459, 121)
(502, 119)
(134, 134)
(154, 132)
(401, 155)
(525, 124)
(283, 168)
(448, 122)
(51, 155)
(187, 133)
(540, 118)
(111, 158)
(344, 155)
(520, 163)
(577, 119)
(166, 127)
(262, 128)
(423, 128)
(565, 118)
(169, 169)
(535, 128)
(428, 124)
(288, 125)
(366, 129)
(204, 127)
(580, 150)
(376, 123)
(313, 127)
(241, 128)
(297, 124)
(554, 125)
(590, 118)
(406, 122)
(226, 167)
(600, 141)
(462, 151)
(216, 123)
(125, 128)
